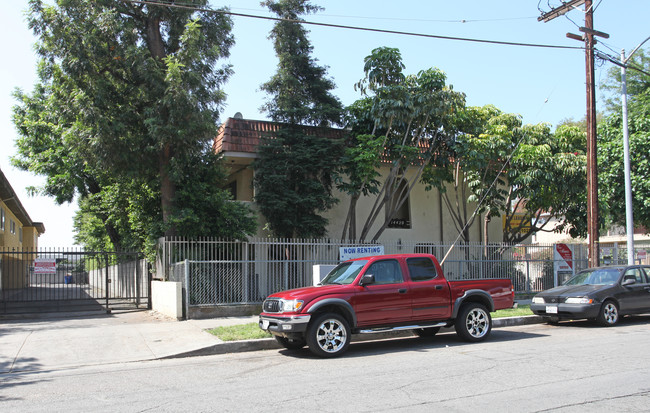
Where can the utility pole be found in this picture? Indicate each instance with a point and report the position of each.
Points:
(592, 154)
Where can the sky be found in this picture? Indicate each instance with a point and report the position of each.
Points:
(540, 84)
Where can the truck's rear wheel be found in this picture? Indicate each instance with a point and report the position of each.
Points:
(473, 322)
(328, 335)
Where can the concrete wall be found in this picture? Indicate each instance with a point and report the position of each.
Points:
(167, 298)
(236, 310)
(123, 279)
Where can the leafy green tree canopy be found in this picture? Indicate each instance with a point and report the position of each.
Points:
(125, 108)
(294, 172)
(404, 122)
(509, 169)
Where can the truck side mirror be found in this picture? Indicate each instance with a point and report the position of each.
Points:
(367, 279)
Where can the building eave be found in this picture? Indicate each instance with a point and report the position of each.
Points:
(10, 199)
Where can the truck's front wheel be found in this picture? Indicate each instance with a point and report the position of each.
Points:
(328, 335)
(474, 322)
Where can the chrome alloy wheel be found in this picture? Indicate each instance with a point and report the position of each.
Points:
(477, 323)
(610, 313)
(331, 335)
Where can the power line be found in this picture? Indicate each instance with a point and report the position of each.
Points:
(340, 26)
(617, 61)
(463, 21)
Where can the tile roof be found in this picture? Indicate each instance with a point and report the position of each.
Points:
(243, 135)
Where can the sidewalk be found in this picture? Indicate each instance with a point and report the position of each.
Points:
(87, 339)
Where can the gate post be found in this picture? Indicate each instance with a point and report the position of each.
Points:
(247, 283)
(108, 310)
(138, 276)
(187, 289)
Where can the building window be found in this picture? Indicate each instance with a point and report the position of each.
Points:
(12, 226)
(402, 216)
(2, 219)
(20, 234)
(232, 188)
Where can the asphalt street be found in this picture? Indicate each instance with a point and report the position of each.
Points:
(572, 367)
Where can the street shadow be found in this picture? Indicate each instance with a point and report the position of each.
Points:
(630, 320)
(16, 373)
(413, 343)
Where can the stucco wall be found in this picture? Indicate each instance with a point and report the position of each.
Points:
(167, 298)
(430, 219)
(7, 239)
(425, 213)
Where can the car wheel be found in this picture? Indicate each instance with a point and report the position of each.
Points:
(608, 315)
(290, 344)
(426, 332)
(473, 323)
(328, 335)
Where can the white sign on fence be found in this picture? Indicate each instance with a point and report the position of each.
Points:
(45, 266)
(563, 263)
(347, 253)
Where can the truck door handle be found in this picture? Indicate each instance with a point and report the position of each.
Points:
(402, 291)
(438, 287)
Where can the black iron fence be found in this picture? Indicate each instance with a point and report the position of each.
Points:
(71, 279)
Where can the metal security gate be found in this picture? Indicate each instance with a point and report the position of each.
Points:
(41, 281)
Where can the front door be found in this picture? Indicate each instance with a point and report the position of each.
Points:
(387, 300)
(635, 297)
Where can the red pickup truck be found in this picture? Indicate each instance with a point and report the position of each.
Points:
(382, 293)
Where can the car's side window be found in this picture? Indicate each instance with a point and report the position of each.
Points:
(386, 272)
(421, 269)
(636, 273)
(646, 273)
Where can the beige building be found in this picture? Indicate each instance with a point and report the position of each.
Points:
(424, 218)
(18, 238)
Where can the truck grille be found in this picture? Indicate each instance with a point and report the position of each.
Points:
(271, 306)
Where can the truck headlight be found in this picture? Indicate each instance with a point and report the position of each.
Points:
(579, 300)
(290, 306)
(538, 300)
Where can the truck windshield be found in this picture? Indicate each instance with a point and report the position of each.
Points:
(344, 273)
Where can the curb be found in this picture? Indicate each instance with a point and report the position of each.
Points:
(271, 344)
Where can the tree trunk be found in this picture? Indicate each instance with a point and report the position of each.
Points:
(167, 187)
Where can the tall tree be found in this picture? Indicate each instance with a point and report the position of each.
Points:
(637, 81)
(295, 167)
(610, 149)
(127, 102)
(360, 164)
(407, 125)
(611, 168)
(512, 170)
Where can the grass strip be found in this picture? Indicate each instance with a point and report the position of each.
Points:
(239, 332)
(521, 310)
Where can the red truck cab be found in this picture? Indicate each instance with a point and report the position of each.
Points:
(381, 293)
